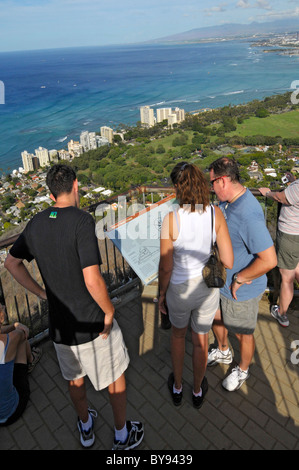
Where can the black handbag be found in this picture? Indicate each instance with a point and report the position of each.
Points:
(214, 273)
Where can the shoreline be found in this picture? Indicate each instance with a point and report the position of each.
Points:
(68, 119)
(192, 112)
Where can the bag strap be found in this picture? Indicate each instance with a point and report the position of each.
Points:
(212, 227)
(177, 220)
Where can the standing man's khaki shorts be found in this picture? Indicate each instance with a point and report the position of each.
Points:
(287, 247)
(240, 317)
(102, 360)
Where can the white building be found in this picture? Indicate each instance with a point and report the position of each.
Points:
(84, 140)
(75, 148)
(101, 141)
(53, 155)
(180, 114)
(107, 192)
(27, 159)
(173, 116)
(107, 132)
(172, 119)
(43, 156)
(93, 141)
(270, 172)
(64, 155)
(147, 117)
(88, 140)
(163, 113)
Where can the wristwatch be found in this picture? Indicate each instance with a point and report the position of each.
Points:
(235, 279)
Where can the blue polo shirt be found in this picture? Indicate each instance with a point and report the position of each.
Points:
(249, 235)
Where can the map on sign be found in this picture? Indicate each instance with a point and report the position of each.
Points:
(138, 238)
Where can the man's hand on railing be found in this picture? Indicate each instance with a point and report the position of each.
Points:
(278, 196)
(264, 191)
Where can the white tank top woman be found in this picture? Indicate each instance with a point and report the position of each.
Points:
(191, 249)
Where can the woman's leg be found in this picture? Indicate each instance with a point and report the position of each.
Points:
(200, 357)
(177, 354)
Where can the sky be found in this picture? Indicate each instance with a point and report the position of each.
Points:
(44, 24)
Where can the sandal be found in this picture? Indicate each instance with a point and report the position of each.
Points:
(36, 355)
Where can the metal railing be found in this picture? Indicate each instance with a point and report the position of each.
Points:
(120, 279)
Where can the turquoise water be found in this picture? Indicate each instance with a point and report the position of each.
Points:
(53, 95)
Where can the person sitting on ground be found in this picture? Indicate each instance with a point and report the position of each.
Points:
(17, 359)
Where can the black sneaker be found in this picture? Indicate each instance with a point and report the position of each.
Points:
(135, 436)
(198, 401)
(176, 397)
(87, 438)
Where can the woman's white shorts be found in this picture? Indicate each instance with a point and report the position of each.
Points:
(192, 299)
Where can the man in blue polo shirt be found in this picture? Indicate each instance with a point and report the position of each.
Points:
(254, 256)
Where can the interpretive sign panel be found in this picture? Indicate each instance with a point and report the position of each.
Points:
(138, 238)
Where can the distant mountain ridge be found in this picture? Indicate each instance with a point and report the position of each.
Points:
(233, 30)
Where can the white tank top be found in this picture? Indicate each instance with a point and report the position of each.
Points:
(192, 248)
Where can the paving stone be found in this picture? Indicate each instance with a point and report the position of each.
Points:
(263, 414)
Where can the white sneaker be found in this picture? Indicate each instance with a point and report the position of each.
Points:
(135, 436)
(282, 319)
(216, 356)
(87, 438)
(235, 379)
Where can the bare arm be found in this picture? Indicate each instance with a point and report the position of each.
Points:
(166, 260)
(98, 290)
(263, 263)
(278, 196)
(19, 271)
(223, 240)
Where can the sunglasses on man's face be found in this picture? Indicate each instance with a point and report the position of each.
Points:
(218, 178)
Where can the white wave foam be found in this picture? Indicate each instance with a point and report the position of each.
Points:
(157, 104)
(233, 92)
(62, 139)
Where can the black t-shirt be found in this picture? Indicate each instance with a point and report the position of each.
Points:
(63, 243)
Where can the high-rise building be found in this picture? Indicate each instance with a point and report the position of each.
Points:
(108, 133)
(172, 119)
(53, 155)
(92, 141)
(84, 140)
(101, 141)
(27, 159)
(162, 114)
(64, 154)
(147, 117)
(43, 156)
(180, 114)
(75, 148)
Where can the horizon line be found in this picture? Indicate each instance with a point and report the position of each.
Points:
(161, 39)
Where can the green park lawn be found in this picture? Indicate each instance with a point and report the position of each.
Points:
(285, 125)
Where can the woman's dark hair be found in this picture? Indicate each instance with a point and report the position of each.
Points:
(226, 166)
(191, 185)
(60, 179)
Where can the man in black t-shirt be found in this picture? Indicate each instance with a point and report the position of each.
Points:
(87, 338)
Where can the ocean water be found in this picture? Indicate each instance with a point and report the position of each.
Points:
(53, 95)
